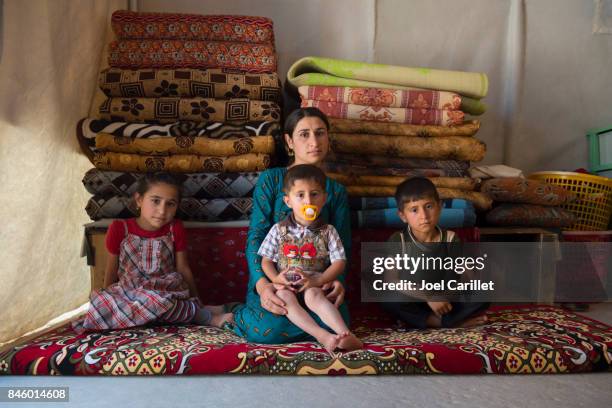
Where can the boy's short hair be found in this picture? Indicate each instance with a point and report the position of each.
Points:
(303, 172)
(413, 189)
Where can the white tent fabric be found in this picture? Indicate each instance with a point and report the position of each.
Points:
(549, 83)
(48, 69)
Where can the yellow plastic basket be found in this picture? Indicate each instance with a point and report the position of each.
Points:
(594, 205)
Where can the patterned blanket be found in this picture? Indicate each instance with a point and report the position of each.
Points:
(517, 340)
(139, 25)
(392, 98)
(355, 170)
(88, 129)
(388, 218)
(332, 72)
(197, 185)
(170, 110)
(401, 129)
(451, 168)
(207, 83)
(181, 163)
(255, 58)
(436, 148)
(190, 208)
(384, 114)
(530, 215)
(378, 203)
(481, 201)
(459, 183)
(185, 145)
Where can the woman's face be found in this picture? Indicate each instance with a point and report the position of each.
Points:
(310, 141)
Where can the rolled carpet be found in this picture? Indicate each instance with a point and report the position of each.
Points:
(197, 185)
(185, 145)
(384, 114)
(170, 110)
(520, 190)
(469, 105)
(529, 215)
(378, 203)
(401, 129)
(188, 83)
(256, 58)
(354, 170)
(392, 98)
(190, 209)
(388, 218)
(459, 183)
(88, 129)
(139, 25)
(471, 84)
(452, 168)
(481, 201)
(438, 148)
(181, 163)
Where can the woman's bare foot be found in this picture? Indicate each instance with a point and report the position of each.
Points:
(217, 320)
(474, 321)
(329, 342)
(349, 342)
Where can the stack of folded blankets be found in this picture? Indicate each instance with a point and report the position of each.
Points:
(194, 95)
(388, 123)
(528, 203)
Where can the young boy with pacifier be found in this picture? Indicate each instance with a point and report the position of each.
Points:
(302, 253)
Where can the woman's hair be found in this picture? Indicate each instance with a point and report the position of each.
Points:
(414, 189)
(301, 113)
(149, 179)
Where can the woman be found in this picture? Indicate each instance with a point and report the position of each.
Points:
(261, 319)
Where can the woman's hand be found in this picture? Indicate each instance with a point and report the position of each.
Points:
(336, 296)
(269, 300)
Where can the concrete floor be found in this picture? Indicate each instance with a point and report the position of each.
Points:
(568, 390)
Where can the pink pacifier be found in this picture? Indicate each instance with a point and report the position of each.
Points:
(309, 212)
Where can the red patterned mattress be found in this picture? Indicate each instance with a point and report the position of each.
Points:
(518, 339)
(536, 339)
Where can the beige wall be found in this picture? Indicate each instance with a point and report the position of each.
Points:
(48, 68)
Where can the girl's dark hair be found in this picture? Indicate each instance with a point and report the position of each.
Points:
(149, 179)
(414, 189)
(301, 113)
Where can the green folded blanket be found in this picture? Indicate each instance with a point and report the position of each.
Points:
(335, 72)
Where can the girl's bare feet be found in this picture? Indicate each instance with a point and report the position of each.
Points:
(474, 321)
(217, 320)
(349, 342)
(215, 309)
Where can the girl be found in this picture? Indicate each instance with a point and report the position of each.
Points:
(147, 277)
